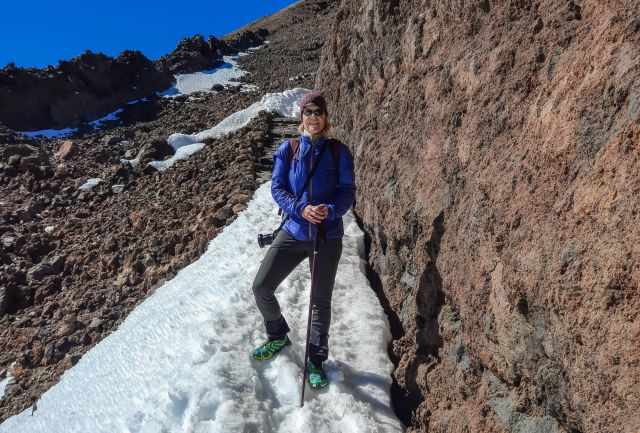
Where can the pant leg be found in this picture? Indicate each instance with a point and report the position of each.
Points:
(284, 254)
(328, 257)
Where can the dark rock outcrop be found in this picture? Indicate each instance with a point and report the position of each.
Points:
(241, 41)
(496, 148)
(192, 54)
(79, 90)
(195, 54)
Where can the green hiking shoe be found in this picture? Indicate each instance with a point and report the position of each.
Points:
(316, 376)
(270, 348)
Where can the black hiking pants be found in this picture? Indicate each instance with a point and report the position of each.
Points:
(284, 254)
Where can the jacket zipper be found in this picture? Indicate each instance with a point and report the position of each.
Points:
(310, 185)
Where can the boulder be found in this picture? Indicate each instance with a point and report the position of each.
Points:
(65, 150)
(156, 149)
(192, 54)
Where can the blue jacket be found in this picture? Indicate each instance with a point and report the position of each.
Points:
(331, 185)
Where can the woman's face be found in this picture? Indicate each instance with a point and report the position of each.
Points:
(313, 122)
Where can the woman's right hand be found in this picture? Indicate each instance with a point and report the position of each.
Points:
(315, 214)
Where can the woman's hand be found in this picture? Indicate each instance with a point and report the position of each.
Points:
(315, 214)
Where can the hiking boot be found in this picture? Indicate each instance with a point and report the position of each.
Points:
(270, 348)
(316, 376)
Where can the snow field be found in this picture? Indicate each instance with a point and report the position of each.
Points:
(181, 361)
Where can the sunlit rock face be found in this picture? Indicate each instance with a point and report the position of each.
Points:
(496, 147)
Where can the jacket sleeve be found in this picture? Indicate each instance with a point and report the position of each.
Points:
(280, 188)
(346, 189)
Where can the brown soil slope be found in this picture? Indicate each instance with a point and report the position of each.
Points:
(496, 147)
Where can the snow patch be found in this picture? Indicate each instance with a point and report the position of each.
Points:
(50, 133)
(248, 88)
(95, 124)
(181, 360)
(4, 383)
(135, 101)
(226, 74)
(284, 103)
(113, 116)
(183, 152)
(204, 80)
(90, 183)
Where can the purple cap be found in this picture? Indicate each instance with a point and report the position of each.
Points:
(314, 97)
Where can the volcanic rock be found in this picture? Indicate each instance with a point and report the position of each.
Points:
(192, 54)
(154, 150)
(497, 166)
(64, 150)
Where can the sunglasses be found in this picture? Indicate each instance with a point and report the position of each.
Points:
(307, 112)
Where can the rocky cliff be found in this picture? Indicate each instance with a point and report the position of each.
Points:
(496, 147)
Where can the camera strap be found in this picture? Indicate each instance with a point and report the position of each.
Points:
(306, 184)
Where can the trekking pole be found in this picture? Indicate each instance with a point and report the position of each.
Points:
(316, 246)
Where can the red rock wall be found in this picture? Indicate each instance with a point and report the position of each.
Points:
(497, 157)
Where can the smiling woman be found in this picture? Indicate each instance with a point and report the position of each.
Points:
(313, 183)
(153, 27)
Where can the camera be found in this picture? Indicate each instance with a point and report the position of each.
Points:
(264, 240)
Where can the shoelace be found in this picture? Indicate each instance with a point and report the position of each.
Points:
(271, 345)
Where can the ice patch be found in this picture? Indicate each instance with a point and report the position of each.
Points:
(135, 101)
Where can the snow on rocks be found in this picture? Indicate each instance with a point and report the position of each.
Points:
(50, 133)
(180, 362)
(4, 383)
(65, 132)
(90, 183)
(182, 153)
(284, 103)
(226, 75)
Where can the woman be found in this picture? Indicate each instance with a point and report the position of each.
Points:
(318, 212)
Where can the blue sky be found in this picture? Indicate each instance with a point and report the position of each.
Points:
(39, 33)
